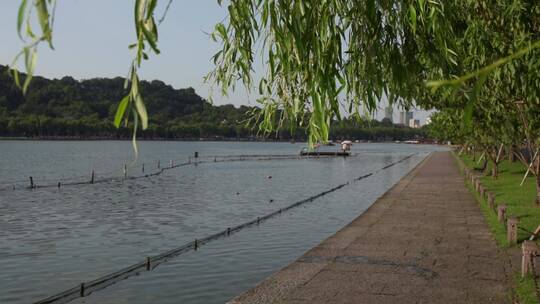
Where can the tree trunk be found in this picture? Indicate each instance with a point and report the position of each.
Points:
(485, 168)
(495, 171)
(537, 190)
(536, 171)
(511, 155)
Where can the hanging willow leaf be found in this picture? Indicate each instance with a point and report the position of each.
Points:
(30, 60)
(141, 110)
(20, 17)
(150, 37)
(412, 17)
(134, 138)
(44, 21)
(320, 51)
(484, 70)
(120, 111)
(29, 51)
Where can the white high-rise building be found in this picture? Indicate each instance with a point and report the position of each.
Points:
(389, 113)
(405, 117)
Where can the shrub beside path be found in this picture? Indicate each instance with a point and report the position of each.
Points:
(424, 241)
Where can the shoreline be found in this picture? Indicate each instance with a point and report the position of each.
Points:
(395, 252)
(241, 140)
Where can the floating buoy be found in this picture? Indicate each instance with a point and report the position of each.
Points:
(269, 176)
(271, 201)
(237, 193)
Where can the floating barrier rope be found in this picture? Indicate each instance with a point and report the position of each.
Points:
(150, 263)
(173, 164)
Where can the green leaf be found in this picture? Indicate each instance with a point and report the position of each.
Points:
(412, 17)
(20, 16)
(141, 109)
(139, 8)
(467, 115)
(151, 7)
(29, 31)
(134, 138)
(43, 16)
(120, 111)
(30, 59)
(151, 38)
(134, 84)
(220, 28)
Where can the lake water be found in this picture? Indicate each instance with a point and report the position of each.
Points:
(52, 239)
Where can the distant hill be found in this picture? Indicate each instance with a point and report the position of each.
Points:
(85, 109)
(71, 108)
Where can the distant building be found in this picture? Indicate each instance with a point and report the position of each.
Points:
(389, 113)
(409, 116)
(414, 123)
(405, 117)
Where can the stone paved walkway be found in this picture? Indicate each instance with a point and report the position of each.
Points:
(424, 241)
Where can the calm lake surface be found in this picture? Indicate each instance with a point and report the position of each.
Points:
(53, 239)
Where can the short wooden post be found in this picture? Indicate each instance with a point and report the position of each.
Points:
(158, 164)
(501, 213)
(491, 200)
(125, 170)
(196, 154)
(195, 244)
(171, 163)
(258, 220)
(143, 168)
(59, 184)
(528, 251)
(92, 177)
(215, 159)
(148, 263)
(482, 191)
(228, 231)
(82, 290)
(189, 159)
(31, 182)
(511, 230)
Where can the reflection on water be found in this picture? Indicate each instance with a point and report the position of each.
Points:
(52, 239)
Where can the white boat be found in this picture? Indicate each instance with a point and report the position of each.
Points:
(346, 145)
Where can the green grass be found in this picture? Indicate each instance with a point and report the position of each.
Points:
(525, 290)
(498, 229)
(520, 202)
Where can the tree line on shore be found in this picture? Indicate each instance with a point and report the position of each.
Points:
(68, 108)
(489, 137)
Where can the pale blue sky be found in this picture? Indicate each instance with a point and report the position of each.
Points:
(91, 39)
